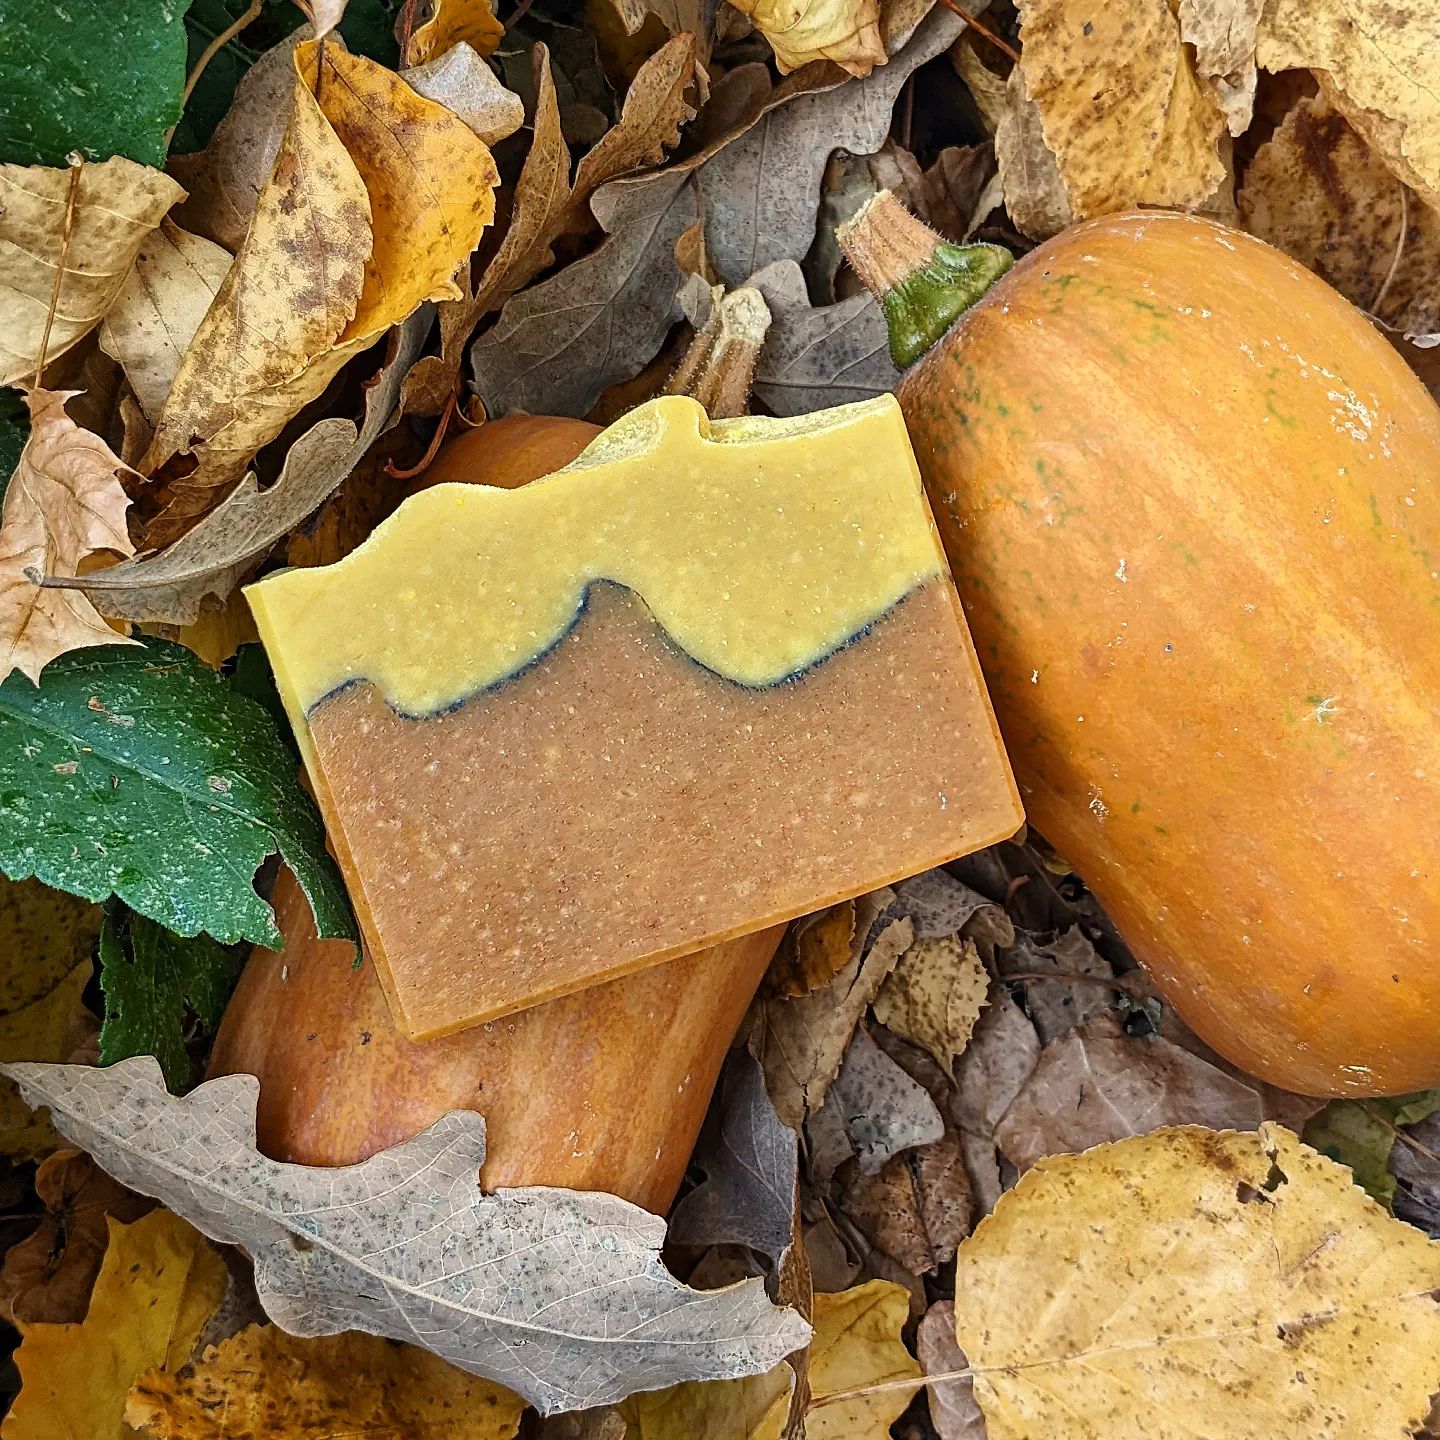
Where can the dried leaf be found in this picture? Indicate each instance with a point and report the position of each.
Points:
(1376, 64)
(800, 1043)
(1120, 104)
(159, 1284)
(47, 1277)
(212, 558)
(377, 197)
(44, 935)
(814, 948)
(679, 17)
(934, 996)
(1318, 192)
(117, 205)
(882, 1110)
(159, 308)
(857, 1343)
(1194, 1282)
(451, 23)
(557, 1295)
(799, 31)
(463, 83)
(948, 195)
(953, 1410)
(1097, 1084)
(1035, 193)
(46, 1029)
(267, 1385)
(1059, 1005)
(1223, 33)
(64, 504)
(814, 358)
(941, 905)
(323, 15)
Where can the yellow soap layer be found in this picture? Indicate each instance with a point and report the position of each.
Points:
(760, 546)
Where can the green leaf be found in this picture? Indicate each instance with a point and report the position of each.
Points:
(153, 981)
(1356, 1134)
(103, 77)
(139, 772)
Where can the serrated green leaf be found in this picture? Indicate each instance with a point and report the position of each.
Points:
(1356, 1134)
(152, 981)
(140, 772)
(96, 76)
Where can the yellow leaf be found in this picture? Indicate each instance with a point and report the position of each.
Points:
(377, 197)
(155, 316)
(44, 934)
(158, 1287)
(934, 996)
(1120, 104)
(118, 204)
(1375, 62)
(49, 1028)
(814, 949)
(64, 504)
(1198, 1282)
(799, 31)
(452, 22)
(857, 1343)
(266, 1385)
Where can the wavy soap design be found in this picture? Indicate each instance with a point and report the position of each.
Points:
(758, 552)
(547, 727)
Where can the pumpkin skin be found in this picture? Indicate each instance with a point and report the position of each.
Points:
(1189, 496)
(604, 1089)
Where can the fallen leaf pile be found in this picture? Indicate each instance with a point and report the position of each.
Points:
(965, 1174)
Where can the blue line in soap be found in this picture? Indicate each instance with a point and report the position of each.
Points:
(581, 609)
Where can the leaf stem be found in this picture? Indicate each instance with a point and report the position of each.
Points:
(212, 50)
(885, 1387)
(1402, 1135)
(72, 194)
(1003, 46)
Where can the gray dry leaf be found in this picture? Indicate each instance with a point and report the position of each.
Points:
(558, 1295)
(117, 205)
(1318, 192)
(801, 1042)
(1098, 1084)
(1058, 1005)
(159, 308)
(466, 86)
(954, 1411)
(171, 587)
(1035, 193)
(934, 996)
(880, 1108)
(941, 905)
(818, 357)
(1223, 33)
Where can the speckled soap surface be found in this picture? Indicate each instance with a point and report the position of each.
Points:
(710, 676)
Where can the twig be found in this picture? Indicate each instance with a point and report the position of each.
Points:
(1397, 1132)
(1003, 46)
(214, 48)
(1384, 289)
(427, 459)
(519, 13)
(77, 163)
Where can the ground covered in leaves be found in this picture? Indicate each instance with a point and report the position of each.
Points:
(256, 265)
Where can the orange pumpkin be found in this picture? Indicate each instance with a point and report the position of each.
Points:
(1189, 495)
(601, 1090)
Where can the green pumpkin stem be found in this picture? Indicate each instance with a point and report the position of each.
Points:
(923, 283)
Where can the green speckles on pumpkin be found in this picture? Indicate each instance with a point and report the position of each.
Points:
(1273, 409)
(1136, 808)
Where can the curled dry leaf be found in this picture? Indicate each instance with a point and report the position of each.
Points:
(266, 1385)
(64, 505)
(813, 949)
(799, 31)
(1223, 33)
(49, 1275)
(1318, 192)
(1035, 193)
(1129, 121)
(953, 1410)
(117, 205)
(1376, 63)
(376, 199)
(159, 308)
(158, 1286)
(857, 1343)
(557, 1295)
(934, 996)
(462, 82)
(451, 23)
(1198, 1281)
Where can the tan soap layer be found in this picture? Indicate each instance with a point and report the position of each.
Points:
(617, 803)
(761, 546)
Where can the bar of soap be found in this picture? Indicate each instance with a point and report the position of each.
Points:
(710, 676)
